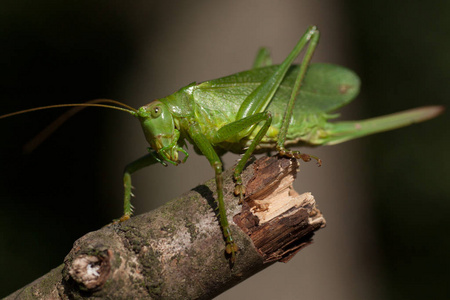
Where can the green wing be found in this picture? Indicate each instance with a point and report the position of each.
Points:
(326, 87)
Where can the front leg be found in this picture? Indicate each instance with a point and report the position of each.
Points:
(205, 146)
(132, 167)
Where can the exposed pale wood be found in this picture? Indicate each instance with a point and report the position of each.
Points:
(278, 220)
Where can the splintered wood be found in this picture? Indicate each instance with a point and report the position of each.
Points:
(278, 220)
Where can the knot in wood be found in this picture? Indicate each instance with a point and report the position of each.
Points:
(90, 271)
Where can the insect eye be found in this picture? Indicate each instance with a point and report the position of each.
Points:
(156, 111)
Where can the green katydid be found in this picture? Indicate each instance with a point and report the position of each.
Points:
(266, 108)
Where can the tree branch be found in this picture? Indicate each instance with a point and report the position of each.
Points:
(177, 250)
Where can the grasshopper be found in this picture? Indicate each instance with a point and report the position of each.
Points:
(267, 108)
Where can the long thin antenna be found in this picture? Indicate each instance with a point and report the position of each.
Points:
(91, 103)
(77, 107)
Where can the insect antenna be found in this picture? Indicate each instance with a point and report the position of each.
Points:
(76, 107)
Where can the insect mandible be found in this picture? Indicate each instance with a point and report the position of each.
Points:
(267, 108)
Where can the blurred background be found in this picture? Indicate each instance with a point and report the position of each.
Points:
(386, 198)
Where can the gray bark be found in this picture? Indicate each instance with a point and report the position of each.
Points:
(177, 250)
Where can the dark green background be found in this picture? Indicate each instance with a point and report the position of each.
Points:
(404, 54)
(74, 51)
